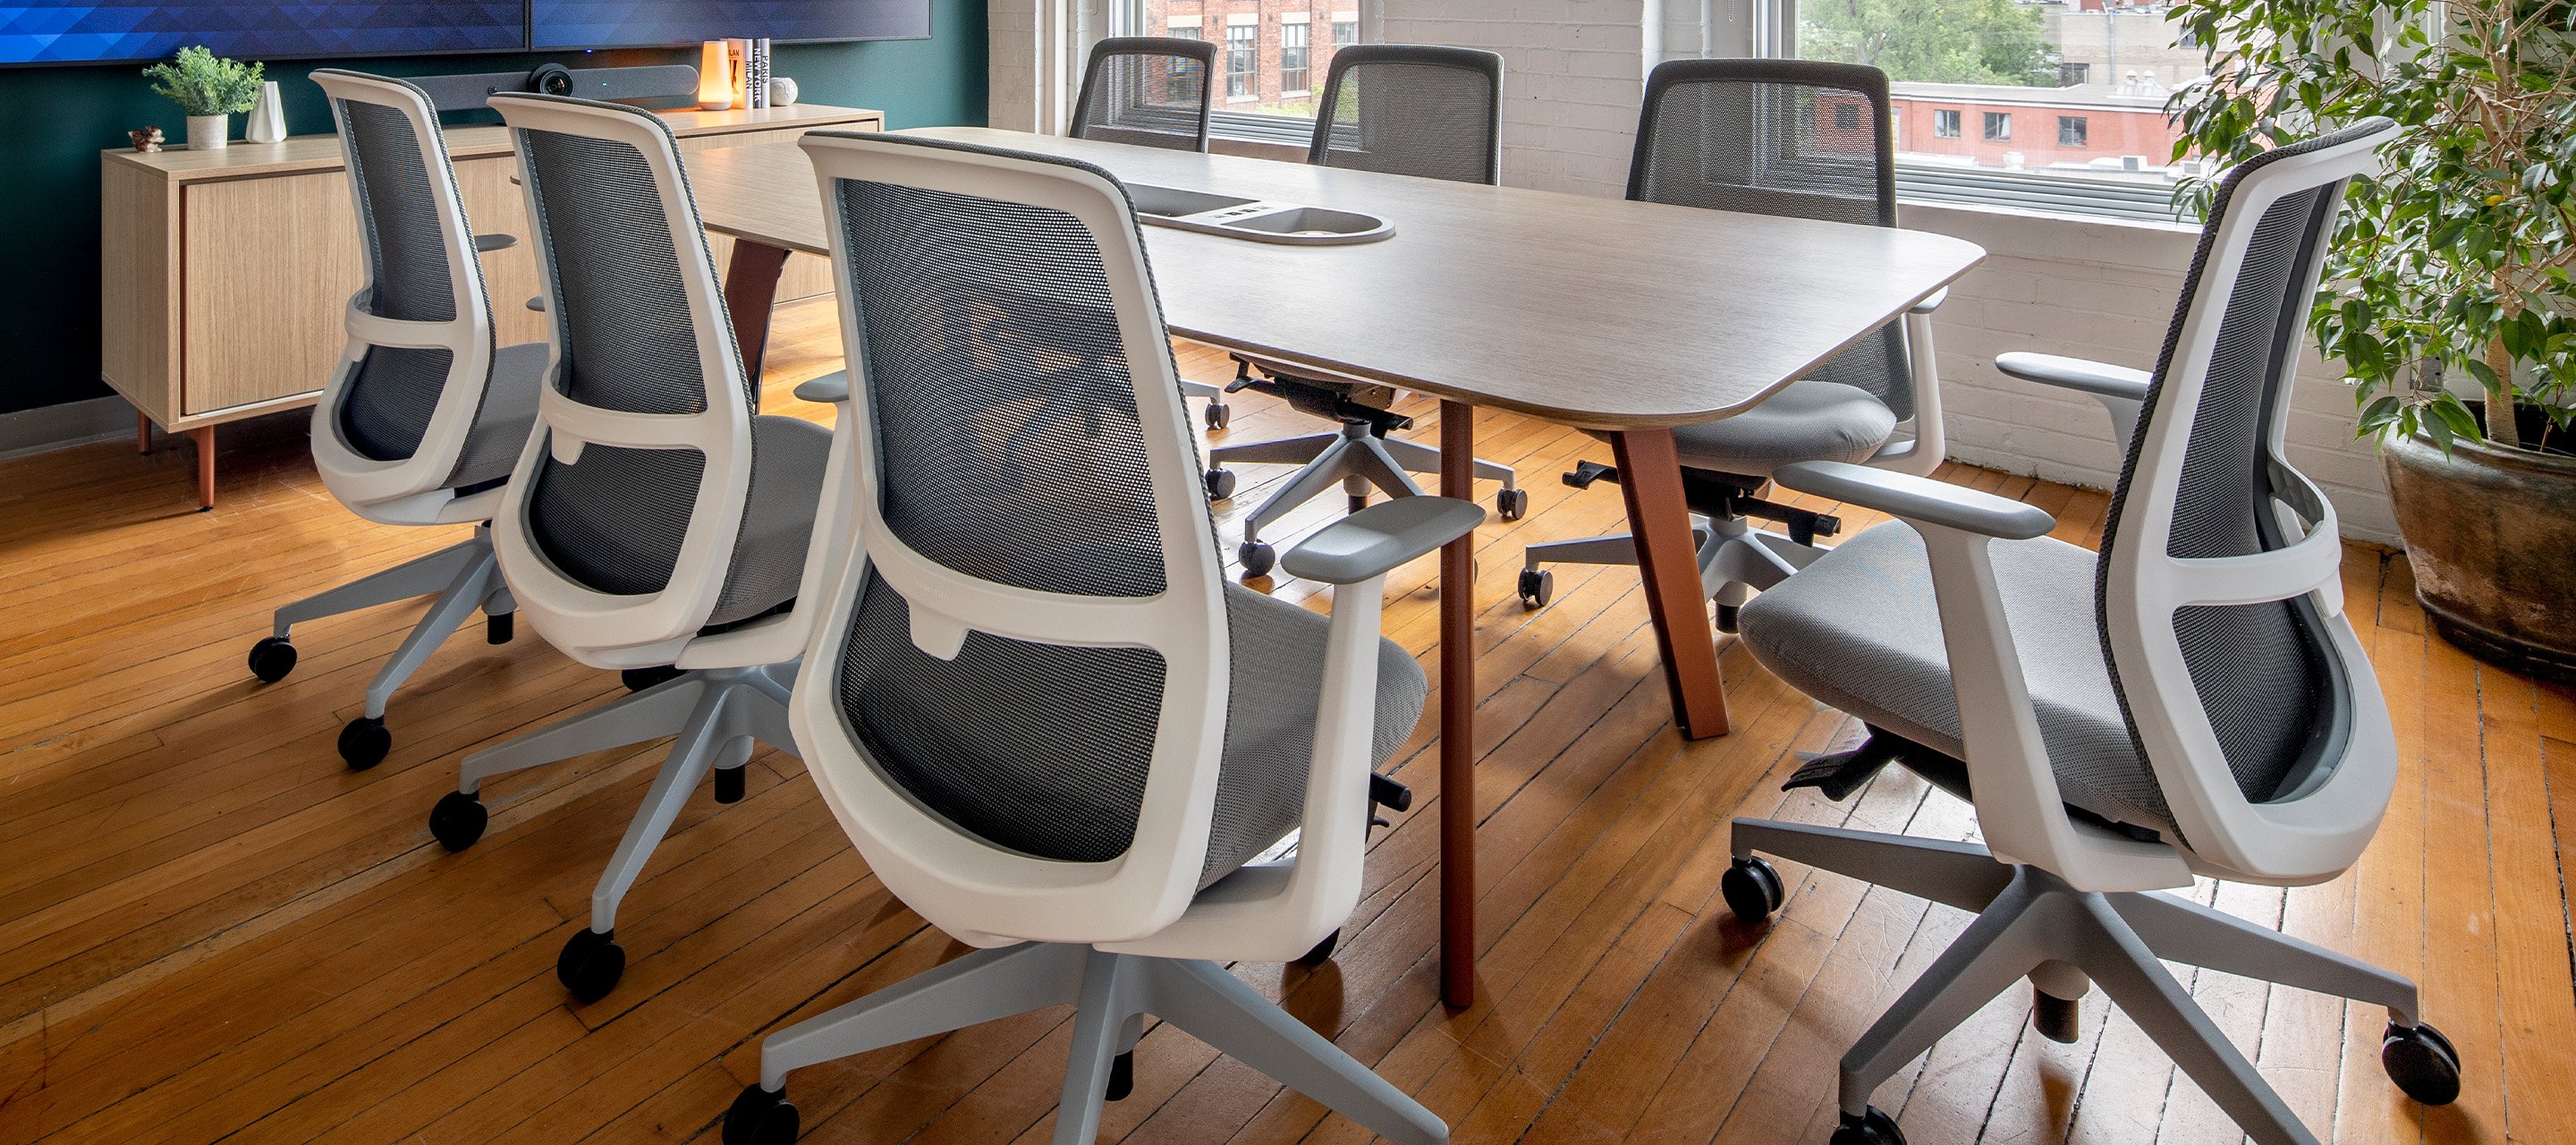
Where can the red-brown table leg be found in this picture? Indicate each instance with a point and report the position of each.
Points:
(142, 432)
(205, 438)
(1650, 476)
(1458, 718)
(751, 288)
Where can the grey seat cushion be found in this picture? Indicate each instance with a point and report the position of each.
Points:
(1805, 421)
(787, 459)
(503, 421)
(1859, 631)
(1278, 678)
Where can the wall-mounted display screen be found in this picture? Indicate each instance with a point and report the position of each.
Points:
(90, 31)
(652, 23)
(101, 31)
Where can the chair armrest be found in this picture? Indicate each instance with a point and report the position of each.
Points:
(826, 390)
(1373, 541)
(1918, 499)
(2099, 379)
(1933, 303)
(486, 244)
(537, 304)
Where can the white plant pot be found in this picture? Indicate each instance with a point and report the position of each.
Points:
(209, 132)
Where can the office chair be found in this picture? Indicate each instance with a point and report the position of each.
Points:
(1807, 139)
(1400, 109)
(423, 417)
(2191, 701)
(656, 520)
(1152, 91)
(1073, 747)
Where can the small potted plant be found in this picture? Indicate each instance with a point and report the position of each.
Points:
(209, 90)
(2450, 268)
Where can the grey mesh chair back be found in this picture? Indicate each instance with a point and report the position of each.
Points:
(636, 479)
(1412, 109)
(1151, 91)
(1804, 138)
(2217, 554)
(1017, 559)
(424, 358)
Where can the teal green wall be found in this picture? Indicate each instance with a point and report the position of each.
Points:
(53, 121)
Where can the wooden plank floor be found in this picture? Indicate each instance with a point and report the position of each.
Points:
(210, 931)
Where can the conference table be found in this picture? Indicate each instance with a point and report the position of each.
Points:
(1618, 317)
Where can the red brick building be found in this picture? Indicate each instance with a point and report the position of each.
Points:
(1272, 54)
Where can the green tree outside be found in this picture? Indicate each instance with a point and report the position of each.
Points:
(1932, 41)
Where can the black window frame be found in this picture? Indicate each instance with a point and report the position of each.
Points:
(1244, 81)
(2082, 133)
(1947, 122)
(1996, 127)
(1303, 71)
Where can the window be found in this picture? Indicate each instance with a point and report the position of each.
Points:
(1242, 58)
(1292, 58)
(2048, 61)
(1846, 117)
(1345, 32)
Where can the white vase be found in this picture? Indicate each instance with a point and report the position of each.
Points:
(209, 132)
(782, 91)
(267, 122)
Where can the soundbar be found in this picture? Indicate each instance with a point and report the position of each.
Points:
(469, 92)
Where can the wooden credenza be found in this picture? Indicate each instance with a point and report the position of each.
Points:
(224, 274)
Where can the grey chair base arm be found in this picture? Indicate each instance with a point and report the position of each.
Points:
(1375, 540)
(716, 718)
(466, 577)
(826, 390)
(1111, 993)
(1918, 499)
(1732, 555)
(2032, 925)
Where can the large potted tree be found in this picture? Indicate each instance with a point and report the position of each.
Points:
(2448, 300)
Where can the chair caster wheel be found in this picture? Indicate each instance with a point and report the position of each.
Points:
(1322, 951)
(1726, 617)
(730, 785)
(458, 820)
(1122, 1077)
(271, 659)
(638, 679)
(1219, 415)
(591, 964)
(2421, 1061)
(2057, 1019)
(499, 629)
(1511, 504)
(1538, 586)
(1256, 557)
(1872, 1128)
(1751, 889)
(759, 1117)
(364, 742)
(1220, 483)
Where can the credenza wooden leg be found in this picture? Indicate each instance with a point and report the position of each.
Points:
(205, 438)
(1650, 476)
(751, 288)
(142, 432)
(1458, 718)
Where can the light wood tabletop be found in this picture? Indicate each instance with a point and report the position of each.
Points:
(1595, 312)
(1629, 318)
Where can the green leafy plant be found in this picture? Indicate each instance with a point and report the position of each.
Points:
(2456, 257)
(203, 84)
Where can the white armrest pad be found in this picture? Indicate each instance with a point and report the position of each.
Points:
(825, 390)
(1373, 541)
(1918, 499)
(2096, 378)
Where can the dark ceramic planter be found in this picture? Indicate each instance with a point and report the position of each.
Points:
(2491, 534)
